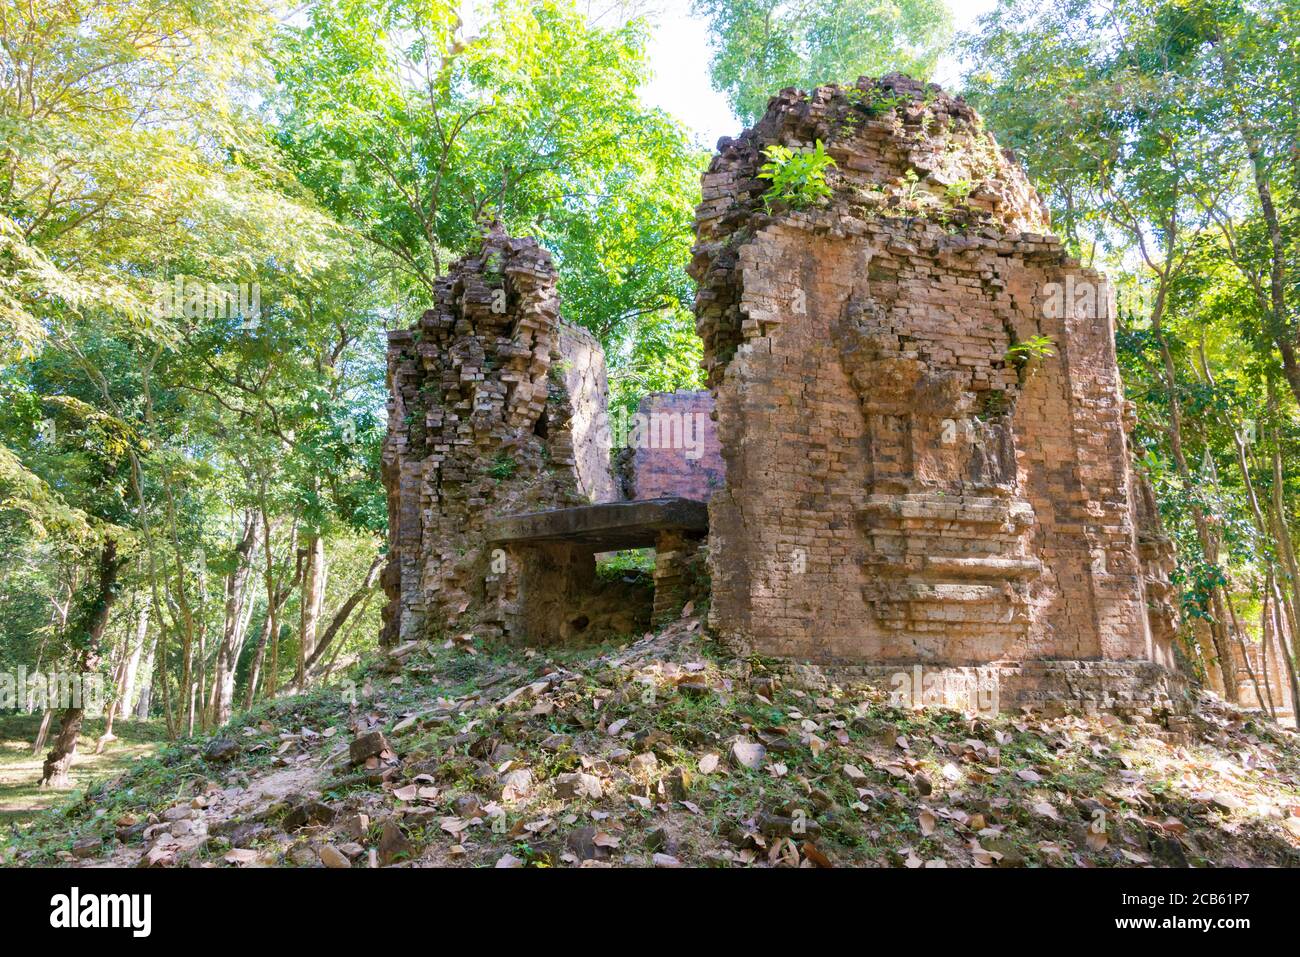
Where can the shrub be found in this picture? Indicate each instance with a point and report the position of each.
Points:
(1035, 347)
(798, 176)
(502, 467)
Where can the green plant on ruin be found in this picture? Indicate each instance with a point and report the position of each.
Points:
(798, 176)
(1025, 353)
(994, 404)
(502, 467)
(1035, 347)
(987, 157)
(874, 101)
(959, 191)
(910, 191)
(869, 104)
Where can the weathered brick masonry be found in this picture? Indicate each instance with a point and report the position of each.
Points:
(917, 456)
(677, 452)
(495, 407)
(901, 488)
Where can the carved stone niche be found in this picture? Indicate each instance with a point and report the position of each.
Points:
(945, 526)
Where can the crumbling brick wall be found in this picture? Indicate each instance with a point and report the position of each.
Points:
(495, 407)
(581, 368)
(674, 448)
(901, 486)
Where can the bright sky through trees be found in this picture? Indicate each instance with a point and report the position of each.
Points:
(679, 55)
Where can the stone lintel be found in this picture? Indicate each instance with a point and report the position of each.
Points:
(606, 527)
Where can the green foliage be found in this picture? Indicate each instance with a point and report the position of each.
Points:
(417, 134)
(761, 46)
(1034, 347)
(636, 564)
(798, 176)
(665, 355)
(502, 467)
(959, 191)
(874, 101)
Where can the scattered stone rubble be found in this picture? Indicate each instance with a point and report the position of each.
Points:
(667, 755)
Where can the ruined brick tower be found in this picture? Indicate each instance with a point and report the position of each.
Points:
(495, 407)
(920, 415)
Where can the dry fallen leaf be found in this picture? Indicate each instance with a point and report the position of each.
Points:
(1044, 809)
(813, 854)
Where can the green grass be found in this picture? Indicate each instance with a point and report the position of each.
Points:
(630, 564)
(20, 771)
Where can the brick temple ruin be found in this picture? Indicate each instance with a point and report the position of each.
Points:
(912, 453)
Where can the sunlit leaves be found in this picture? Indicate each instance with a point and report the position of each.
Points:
(761, 46)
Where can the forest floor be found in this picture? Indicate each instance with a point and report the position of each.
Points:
(20, 771)
(664, 752)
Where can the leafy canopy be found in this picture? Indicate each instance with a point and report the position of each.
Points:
(762, 46)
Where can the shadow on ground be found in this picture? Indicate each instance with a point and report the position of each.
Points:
(20, 770)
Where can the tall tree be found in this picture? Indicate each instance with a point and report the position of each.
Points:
(761, 46)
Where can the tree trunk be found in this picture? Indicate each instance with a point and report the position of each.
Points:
(277, 594)
(313, 597)
(1282, 531)
(132, 674)
(89, 635)
(43, 734)
(1245, 654)
(115, 698)
(238, 610)
(1265, 639)
(1286, 640)
(345, 610)
(1222, 650)
(144, 699)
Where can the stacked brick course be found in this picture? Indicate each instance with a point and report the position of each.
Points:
(901, 486)
(678, 453)
(1262, 677)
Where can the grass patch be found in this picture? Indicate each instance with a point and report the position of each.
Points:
(20, 770)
